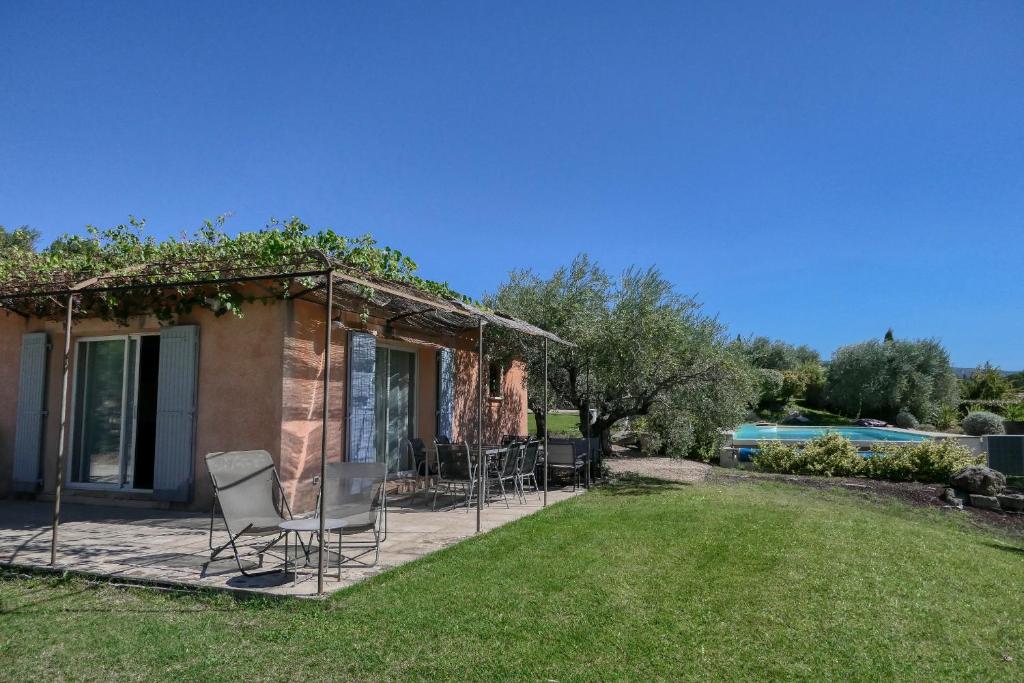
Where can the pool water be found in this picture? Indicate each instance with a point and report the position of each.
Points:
(752, 432)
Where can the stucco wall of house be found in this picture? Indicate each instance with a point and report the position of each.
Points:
(505, 414)
(238, 388)
(12, 327)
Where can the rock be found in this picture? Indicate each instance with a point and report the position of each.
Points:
(1012, 502)
(979, 479)
(984, 502)
(949, 496)
(796, 419)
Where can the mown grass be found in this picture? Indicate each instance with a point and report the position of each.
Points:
(558, 423)
(638, 581)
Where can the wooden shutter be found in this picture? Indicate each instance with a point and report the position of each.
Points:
(28, 434)
(445, 392)
(362, 424)
(175, 413)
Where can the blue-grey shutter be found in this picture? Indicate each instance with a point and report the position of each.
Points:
(28, 433)
(362, 425)
(175, 413)
(445, 392)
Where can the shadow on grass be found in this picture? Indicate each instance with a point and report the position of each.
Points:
(630, 484)
(1013, 549)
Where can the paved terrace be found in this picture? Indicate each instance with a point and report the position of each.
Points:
(171, 547)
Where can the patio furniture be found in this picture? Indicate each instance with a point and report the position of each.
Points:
(505, 468)
(564, 457)
(528, 469)
(455, 470)
(243, 489)
(354, 502)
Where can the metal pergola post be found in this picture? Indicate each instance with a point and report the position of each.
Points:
(323, 431)
(590, 445)
(480, 424)
(69, 303)
(545, 421)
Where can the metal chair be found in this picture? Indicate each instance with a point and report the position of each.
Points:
(563, 457)
(528, 469)
(244, 483)
(455, 470)
(354, 502)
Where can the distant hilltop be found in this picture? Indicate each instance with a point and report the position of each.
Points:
(964, 373)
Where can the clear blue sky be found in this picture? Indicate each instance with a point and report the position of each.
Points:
(812, 173)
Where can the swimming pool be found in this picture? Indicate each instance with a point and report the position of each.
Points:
(754, 433)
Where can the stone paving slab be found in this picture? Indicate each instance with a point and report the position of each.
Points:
(172, 547)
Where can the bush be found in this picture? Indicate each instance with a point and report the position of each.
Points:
(924, 461)
(776, 456)
(982, 422)
(906, 420)
(831, 455)
(946, 417)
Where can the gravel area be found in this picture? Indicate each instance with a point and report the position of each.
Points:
(671, 469)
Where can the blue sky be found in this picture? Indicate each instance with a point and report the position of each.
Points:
(811, 172)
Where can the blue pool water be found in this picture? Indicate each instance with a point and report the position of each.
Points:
(751, 432)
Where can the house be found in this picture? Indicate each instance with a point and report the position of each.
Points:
(147, 399)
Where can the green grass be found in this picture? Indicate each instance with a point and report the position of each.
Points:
(558, 423)
(642, 581)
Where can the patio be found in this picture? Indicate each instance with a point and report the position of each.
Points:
(167, 547)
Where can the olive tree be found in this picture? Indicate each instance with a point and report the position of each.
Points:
(641, 345)
(880, 379)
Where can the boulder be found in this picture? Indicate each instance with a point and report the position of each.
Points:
(979, 479)
(796, 419)
(984, 502)
(950, 498)
(1011, 502)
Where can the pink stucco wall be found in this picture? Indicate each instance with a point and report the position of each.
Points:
(11, 328)
(238, 389)
(506, 414)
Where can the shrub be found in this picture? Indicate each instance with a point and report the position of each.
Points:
(906, 420)
(982, 422)
(924, 461)
(776, 456)
(946, 417)
(831, 455)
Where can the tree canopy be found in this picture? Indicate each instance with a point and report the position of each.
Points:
(647, 348)
(986, 383)
(878, 379)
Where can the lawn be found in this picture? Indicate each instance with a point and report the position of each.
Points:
(558, 423)
(638, 581)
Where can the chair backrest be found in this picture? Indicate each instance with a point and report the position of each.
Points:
(530, 453)
(243, 482)
(454, 462)
(562, 454)
(442, 439)
(513, 459)
(406, 462)
(353, 489)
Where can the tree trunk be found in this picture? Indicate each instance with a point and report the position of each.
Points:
(541, 417)
(603, 428)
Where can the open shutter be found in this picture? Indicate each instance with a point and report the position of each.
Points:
(28, 434)
(362, 425)
(175, 413)
(445, 392)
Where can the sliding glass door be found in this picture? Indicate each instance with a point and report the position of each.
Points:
(395, 376)
(109, 406)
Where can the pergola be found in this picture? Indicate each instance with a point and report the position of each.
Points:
(313, 276)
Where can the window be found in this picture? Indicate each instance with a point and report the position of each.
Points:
(495, 379)
(114, 438)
